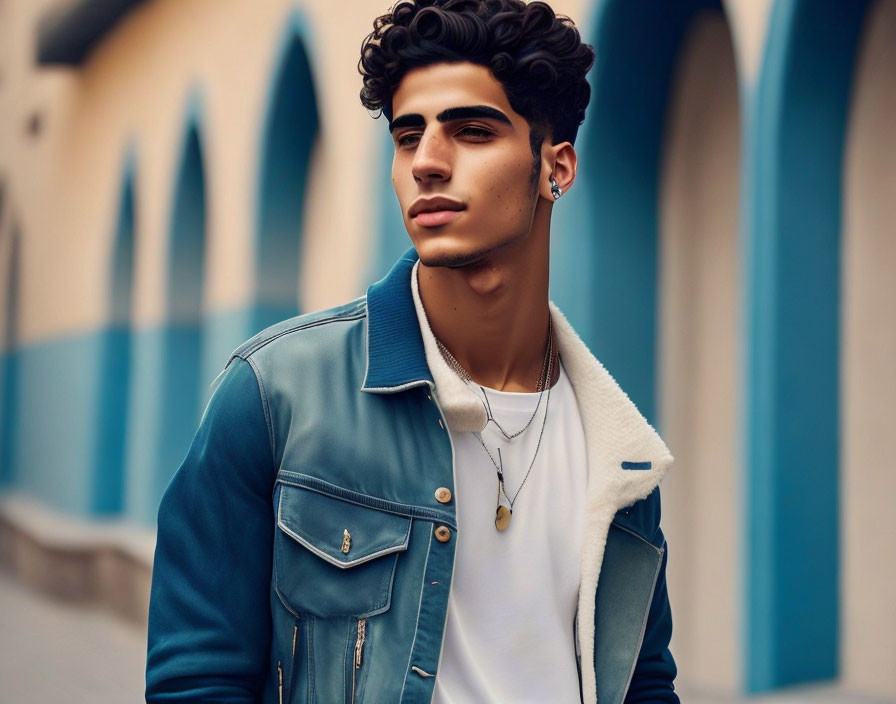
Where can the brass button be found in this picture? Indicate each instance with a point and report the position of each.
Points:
(443, 535)
(443, 495)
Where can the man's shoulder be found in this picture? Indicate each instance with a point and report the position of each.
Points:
(314, 328)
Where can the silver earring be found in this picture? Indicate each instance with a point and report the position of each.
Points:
(556, 191)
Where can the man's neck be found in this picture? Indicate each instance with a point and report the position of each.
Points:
(493, 315)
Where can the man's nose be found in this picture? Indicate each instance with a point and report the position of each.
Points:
(431, 159)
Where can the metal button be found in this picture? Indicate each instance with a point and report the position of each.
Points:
(443, 534)
(443, 495)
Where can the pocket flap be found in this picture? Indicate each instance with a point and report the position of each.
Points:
(319, 523)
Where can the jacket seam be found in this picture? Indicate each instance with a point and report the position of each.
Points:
(306, 543)
(638, 536)
(276, 580)
(348, 317)
(262, 392)
(631, 674)
(304, 481)
(407, 672)
(310, 626)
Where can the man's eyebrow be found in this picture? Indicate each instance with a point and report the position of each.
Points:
(465, 113)
(449, 114)
(411, 120)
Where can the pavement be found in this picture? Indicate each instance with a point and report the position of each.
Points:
(54, 651)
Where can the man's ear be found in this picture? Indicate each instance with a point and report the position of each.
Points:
(561, 164)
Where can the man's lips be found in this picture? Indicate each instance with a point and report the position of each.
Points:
(433, 218)
(432, 212)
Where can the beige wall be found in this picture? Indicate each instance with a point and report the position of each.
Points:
(699, 293)
(868, 479)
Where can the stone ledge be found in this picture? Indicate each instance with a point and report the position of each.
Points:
(103, 562)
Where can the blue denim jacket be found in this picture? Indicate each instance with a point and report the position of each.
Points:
(303, 556)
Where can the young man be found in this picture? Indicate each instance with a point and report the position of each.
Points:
(433, 493)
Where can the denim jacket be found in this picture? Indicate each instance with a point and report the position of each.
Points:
(305, 550)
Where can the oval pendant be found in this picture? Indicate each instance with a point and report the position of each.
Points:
(502, 518)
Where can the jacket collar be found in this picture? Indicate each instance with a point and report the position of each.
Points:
(395, 358)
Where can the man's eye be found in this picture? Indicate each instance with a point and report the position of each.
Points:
(476, 133)
(408, 140)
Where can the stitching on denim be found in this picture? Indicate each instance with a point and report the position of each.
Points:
(400, 387)
(407, 671)
(265, 407)
(309, 620)
(366, 348)
(304, 481)
(345, 658)
(277, 560)
(631, 674)
(636, 535)
(385, 597)
(305, 542)
(296, 657)
(349, 316)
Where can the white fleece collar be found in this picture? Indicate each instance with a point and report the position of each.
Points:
(615, 433)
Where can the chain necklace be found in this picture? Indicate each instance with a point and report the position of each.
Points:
(545, 376)
(504, 511)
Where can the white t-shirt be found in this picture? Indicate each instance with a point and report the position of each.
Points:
(510, 634)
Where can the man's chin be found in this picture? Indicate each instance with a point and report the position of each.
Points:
(451, 257)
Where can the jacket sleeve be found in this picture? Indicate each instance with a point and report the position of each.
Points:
(209, 613)
(654, 675)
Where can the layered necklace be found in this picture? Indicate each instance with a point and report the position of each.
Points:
(504, 507)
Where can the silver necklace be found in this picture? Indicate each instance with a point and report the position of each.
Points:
(504, 511)
(544, 379)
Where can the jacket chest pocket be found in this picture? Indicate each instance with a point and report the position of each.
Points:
(334, 557)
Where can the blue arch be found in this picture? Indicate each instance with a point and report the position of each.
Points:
(793, 292)
(9, 392)
(288, 135)
(182, 387)
(107, 490)
(605, 235)
(392, 238)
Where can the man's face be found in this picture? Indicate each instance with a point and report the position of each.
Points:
(463, 165)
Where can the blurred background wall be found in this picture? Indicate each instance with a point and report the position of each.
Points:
(175, 176)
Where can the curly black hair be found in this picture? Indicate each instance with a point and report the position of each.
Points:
(538, 57)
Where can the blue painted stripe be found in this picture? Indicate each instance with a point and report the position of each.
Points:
(56, 414)
(636, 465)
(792, 336)
(9, 400)
(107, 483)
